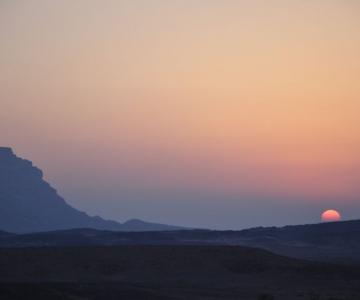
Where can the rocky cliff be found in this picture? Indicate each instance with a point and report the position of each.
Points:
(29, 204)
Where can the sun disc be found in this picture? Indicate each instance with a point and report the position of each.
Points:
(330, 215)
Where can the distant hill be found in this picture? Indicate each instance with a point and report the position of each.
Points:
(29, 204)
(332, 242)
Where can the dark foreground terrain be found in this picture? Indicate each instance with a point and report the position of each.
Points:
(169, 272)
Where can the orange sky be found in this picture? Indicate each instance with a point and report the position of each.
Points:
(247, 100)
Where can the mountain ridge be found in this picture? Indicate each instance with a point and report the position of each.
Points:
(30, 204)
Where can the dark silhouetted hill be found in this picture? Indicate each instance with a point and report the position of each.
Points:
(332, 242)
(29, 204)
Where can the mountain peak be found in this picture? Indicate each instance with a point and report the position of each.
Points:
(6, 151)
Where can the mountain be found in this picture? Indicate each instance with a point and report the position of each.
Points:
(337, 242)
(29, 204)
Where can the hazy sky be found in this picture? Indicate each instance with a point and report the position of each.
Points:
(219, 114)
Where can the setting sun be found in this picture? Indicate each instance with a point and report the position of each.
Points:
(330, 216)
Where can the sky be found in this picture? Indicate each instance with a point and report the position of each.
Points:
(213, 114)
